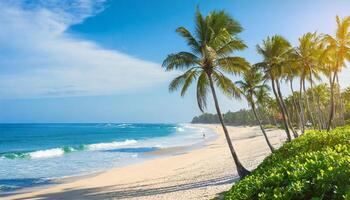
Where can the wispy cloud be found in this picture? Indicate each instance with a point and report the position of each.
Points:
(39, 59)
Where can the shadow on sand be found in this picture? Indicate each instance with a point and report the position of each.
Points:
(112, 192)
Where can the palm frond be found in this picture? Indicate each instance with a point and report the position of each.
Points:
(220, 19)
(189, 79)
(229, 46)
(233, 65)
(226, 85)
(191, 41)
(181, 80)
(201, 30)
(180, 61)
(202, 90)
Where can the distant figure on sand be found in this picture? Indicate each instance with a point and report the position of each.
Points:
(203, 135)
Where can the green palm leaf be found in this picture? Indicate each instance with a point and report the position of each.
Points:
(202, 90)
(233, 65)
(180, 61)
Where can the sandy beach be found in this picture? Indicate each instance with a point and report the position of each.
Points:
(193, 174)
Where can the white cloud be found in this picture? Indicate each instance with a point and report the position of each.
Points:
(39, 59)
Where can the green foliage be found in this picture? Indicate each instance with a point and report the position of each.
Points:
(242, 117)
(314, 166)
(206, 118)
(347, 122)
(269, 126)
(210, 58)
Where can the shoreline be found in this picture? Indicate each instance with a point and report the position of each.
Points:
(146, 156)
(197, 170)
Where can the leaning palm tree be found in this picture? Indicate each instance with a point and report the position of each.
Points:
(338, 47)
(214, 40)
(251, 85)
(274, 51)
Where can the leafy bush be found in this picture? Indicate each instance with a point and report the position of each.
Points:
(347, 122)
(269, 126)
(314, 166)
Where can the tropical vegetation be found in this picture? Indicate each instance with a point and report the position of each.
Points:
(314, 166)
(314, 161)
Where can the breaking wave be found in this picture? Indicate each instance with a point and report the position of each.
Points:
(56, 152)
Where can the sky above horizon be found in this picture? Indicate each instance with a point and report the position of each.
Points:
(100, 60)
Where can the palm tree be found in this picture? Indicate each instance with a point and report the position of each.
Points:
(250, 87)
(274, 51)
(339, 47)
(290, 75)
(214, 40)
(307, 55)
(264, 108)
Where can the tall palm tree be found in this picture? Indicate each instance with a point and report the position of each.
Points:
(307, 55)
(274, 51)
(290, 74)
(339, 47)
(213, 42)
(250, 86)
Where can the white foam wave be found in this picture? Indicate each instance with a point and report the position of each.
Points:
(110, 145)
(125, 125)
(47, 153)
(180, 129)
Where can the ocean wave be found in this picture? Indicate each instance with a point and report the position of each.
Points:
(117, 125)
(180, 129)
(124, 125)
(57, 152)
(110, 145)
(49, 153)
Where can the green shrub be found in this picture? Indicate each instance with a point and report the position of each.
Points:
(314, 166)
(269, 126)
(347, 122)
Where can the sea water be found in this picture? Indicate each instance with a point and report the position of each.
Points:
(35, 154)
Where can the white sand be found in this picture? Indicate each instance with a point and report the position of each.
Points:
(198, 174)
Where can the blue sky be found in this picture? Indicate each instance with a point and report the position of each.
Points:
(99, 60)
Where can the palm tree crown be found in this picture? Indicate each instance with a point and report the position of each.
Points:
(274, 51)
(252, 85)
(211, 45)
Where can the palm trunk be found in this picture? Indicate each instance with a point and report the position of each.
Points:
(331, 112)
(261, 126)
(301, 105)
(341, 104)
(285, 109)
(289, 137)
(296, 105)
(313, 104)
(323, 125)
(242, 172)
(308, 106)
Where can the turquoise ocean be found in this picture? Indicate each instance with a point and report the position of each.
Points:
(36, 154)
